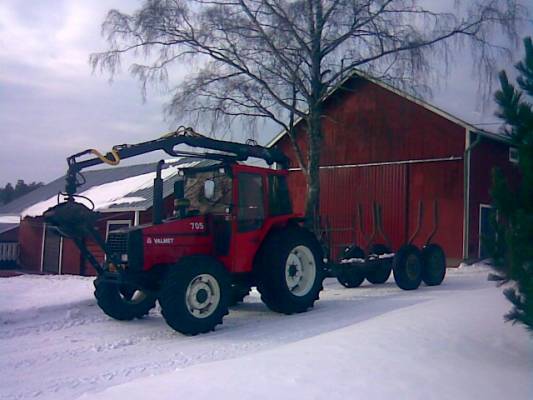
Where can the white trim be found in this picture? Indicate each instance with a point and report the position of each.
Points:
(116, 221)
(60, 266)
(481, 206)
(466, 194)
(405, 95)
(42, 247)
(136, 218)
(426, 160)
(514, 159)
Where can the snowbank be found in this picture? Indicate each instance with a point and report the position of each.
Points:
(454, 347)
(373, 342)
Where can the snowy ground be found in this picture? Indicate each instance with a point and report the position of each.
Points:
(374, 342)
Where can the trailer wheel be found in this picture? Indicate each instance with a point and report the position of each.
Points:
(290, 271)
(122, 302)
(381, 272)
(195, 294)
(407, 267)
(351, 277)
(434, 268)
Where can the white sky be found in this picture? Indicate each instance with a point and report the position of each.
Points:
(51, 105)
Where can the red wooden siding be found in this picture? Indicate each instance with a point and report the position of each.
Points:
(441, 181)
(398, 189)
(30, 239)
(369, 124)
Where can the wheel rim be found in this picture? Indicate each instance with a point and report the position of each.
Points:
(300, 271)
(412, 267)
(202, 296)
(131, 295)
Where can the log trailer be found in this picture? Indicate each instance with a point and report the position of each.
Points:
(232, 228)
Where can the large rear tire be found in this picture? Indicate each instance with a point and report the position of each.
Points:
(381, 272)
(195, 294)
(434, 269)
(349, 276)
(123, 302)
(290, 271)
(407, 267)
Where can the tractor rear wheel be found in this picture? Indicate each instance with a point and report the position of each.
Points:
(381, 272)
(348, 276)
(290, 271)
(123, 302)
(434, 268)
(195, 294)
(407, 267)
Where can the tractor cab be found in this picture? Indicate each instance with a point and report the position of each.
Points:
(224, 211)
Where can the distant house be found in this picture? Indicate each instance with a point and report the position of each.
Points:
(384, 146)
(123, 196)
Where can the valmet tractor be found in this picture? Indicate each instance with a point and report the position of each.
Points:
(232, 228)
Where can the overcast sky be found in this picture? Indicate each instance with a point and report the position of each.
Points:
(51, 105)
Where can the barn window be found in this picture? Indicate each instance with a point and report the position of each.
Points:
(513, 155)
(116, 225)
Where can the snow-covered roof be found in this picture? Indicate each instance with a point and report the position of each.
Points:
(110, 189)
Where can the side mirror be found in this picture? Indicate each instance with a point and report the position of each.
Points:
(209, 189)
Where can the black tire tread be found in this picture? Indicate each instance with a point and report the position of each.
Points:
(381, 273)
(109, 300)
(271, 264)
(399, 268)
(172, 295)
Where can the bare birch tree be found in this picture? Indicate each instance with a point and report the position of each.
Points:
(277, 59)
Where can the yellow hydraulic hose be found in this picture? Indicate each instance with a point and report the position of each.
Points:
(104, 159)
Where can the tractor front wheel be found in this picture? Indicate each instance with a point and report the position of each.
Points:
(290, 271)
(123, 302)
(195, 295)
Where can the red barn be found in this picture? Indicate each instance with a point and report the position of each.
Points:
(386, 147)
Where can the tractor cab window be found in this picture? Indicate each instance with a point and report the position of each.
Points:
(279, 200)
(251, 209)
(218, 198)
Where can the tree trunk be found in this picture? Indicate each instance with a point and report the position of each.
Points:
(312, 206)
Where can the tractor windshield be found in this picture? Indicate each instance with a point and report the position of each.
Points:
(215, 202)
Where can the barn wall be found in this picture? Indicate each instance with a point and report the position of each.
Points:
(486, 156)
(70, 258)
(369, 124)
(441, 182)
(30, 242)
(398, 189)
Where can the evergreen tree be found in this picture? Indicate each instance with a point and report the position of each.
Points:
(512, 248)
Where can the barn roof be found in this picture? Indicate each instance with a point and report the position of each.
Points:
(110, 189)
(358, 75)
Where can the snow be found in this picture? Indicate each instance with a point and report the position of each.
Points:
(9, 219)
(108, 193)
(373, 342)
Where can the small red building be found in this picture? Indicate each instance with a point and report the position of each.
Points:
(384, 146)
(122, 195)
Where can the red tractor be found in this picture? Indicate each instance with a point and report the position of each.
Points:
(232, 228)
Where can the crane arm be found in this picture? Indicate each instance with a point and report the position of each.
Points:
(231, 151)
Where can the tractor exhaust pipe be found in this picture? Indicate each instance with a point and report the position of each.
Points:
(158, 212)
